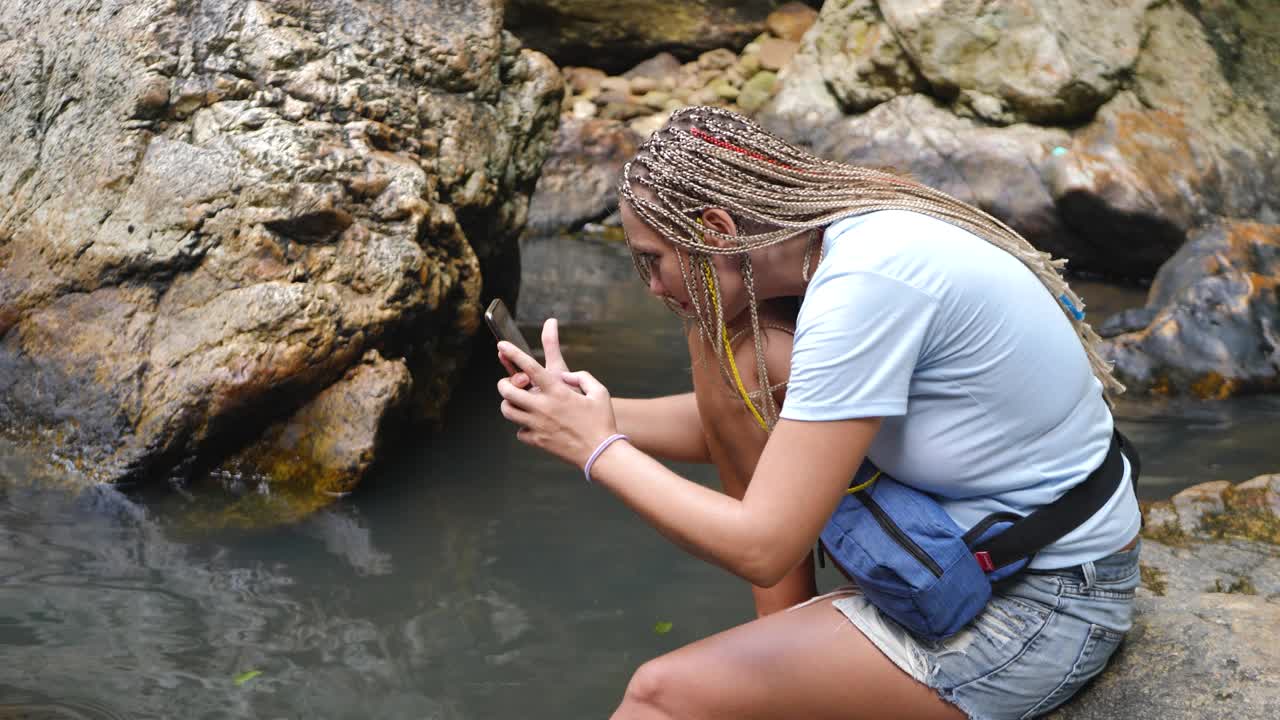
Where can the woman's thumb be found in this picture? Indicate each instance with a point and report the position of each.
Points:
(585, 381)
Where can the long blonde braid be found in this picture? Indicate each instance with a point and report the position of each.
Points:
(706, 157)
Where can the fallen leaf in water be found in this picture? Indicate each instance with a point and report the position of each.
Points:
(662, 627)
(245, 677)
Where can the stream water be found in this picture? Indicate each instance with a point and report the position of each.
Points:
(469, 578)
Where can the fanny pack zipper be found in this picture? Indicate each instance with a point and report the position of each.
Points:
(893, 531)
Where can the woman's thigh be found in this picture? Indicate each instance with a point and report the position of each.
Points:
(809, 662)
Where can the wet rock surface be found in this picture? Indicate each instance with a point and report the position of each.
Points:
(1211, 326)
(333, 440)
(214, 210)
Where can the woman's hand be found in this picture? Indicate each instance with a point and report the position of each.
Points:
(555, 417)
(551, 354)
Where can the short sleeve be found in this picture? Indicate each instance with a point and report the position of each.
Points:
(859, 337)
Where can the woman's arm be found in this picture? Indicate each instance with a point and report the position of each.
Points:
(666, 427)
(801, 476)
(735, 439)
(802, 473)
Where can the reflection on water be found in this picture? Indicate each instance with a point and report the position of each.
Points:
(470, 578)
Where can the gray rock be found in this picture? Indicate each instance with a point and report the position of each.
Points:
(580, 178)
(1204, 641)
(1262, 493)
(1214, 327)
(851, 57)
(209, 217)
(662, 65)
(1195, 502)
(1046, 61)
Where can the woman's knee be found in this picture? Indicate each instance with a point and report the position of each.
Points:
(655, 688)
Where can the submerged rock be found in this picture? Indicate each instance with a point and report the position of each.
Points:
(331, 442)
(212, 212)
(1211, 326)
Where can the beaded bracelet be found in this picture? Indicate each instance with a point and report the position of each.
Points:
(604, 444)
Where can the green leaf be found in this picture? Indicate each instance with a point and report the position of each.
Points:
(245, 677)
(662, 627)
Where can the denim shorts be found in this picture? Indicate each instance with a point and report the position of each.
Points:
(1043, 635)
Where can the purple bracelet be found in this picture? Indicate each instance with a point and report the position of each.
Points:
(604, 445)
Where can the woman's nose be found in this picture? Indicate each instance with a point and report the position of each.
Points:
(655, 286)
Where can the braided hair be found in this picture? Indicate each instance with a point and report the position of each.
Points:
(707, 157)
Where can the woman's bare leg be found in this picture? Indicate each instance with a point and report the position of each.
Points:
(809, 663)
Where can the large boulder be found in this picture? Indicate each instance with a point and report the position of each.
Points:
(1211, 326)
(214, 209)
(1139, 121)
(1046, 61)
(616, 34)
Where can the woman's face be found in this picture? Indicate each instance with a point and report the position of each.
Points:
(662, 259)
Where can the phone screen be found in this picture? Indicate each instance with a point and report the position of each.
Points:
(504, 326)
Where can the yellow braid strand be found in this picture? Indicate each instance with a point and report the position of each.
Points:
(728, 350)
(863, 486)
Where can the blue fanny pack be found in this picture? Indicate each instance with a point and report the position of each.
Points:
(917, 566)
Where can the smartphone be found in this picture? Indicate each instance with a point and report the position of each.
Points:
(504, 326)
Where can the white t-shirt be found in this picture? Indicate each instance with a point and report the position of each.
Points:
(987, 396)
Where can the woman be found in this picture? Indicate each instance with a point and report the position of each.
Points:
(925, 341)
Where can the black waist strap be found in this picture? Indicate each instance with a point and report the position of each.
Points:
(1046, 525)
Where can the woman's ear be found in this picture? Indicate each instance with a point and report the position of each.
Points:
(720, 221)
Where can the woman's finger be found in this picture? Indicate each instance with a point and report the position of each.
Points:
(587, 383)
(523, 361)
(552, 355)
(511, 369)
(515, 414)
(523, 399)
